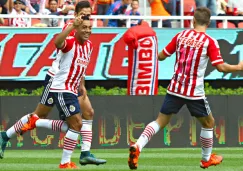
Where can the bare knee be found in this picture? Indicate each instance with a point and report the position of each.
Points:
(76, 125)
(75, 122)
(88, 114)
(208, 123)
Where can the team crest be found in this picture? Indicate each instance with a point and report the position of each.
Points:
(71, 108)
(50, 101)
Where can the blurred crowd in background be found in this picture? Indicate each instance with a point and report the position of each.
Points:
(118, 7)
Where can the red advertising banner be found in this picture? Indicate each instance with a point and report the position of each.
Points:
(27, 53)
(43, 53)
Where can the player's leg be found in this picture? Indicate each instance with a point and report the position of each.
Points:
(67, 104)
(42, 110)
(171, 105)
(86, 132)
(37, 120)
(201, 110)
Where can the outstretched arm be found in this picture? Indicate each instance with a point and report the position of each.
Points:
(217, 60)
(162, 56)
(229, 68)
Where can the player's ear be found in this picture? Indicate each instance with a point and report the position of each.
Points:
(208, 23)
(194, 22)
(75, 14)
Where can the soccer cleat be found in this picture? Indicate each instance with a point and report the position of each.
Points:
(3, 144)
(84, 160)
(70, 165)
(30, 124)
(133, 157)
(213, 161)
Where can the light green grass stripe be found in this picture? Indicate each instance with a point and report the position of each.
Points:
(21, 167)
(114, 155)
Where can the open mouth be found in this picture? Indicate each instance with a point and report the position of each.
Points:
(86, 36)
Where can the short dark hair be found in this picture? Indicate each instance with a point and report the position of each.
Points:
(52, 0)
(202, 16)
(82, 4)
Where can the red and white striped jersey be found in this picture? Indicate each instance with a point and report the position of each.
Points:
(192, 52)
(18, 22)
(55, 64)
(74, 59)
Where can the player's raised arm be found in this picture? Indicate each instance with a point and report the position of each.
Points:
(217, 60)
(60, 39)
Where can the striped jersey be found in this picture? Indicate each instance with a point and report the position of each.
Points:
(74, 59)
(193, 49)
(18, 21)
(55, 64)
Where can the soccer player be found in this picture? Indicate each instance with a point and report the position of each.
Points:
(193, 48)
(82, 8)
(75, 52)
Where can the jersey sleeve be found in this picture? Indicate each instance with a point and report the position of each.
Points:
(68, 45)
(171, 47)
(213, 52)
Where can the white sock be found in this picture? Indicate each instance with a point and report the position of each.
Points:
(16, 128)
(206, 138)
(151, 129)
(86, 133)
(70, 141)
(55, 125)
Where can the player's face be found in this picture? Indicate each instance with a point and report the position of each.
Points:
(84, 30)
(84, 11)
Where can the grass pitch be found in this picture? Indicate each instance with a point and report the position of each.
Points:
(166, 159)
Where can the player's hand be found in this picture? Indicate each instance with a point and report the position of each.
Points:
(241, 65)
(83, 91)
(161, 56)
(77, 21)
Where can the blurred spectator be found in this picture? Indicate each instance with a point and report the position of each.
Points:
(54, 10)
(18, 9)
(170, 6)
(1, 19)
(221, 7)
(35, 5)
(211, 4)
(134, 11)
(117, 8)
(102, 6)
(4, 5)
(157, 9)
(235, 8)
(69, 7)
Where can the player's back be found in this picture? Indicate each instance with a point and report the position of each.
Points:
(192, 52)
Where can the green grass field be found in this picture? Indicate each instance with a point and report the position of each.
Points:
(182, 159)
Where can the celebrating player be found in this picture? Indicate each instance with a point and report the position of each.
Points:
(82, 8)
(75, 54)
(193, 49)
